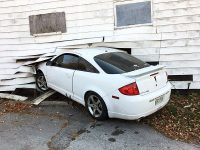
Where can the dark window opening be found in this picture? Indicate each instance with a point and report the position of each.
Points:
(128, 50)
(153, 63)
(47, 23)
(119, 62)
(180, 77)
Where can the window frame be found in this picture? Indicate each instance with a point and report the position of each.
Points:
(131, 2)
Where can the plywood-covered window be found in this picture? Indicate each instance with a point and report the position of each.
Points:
(135, 13)
(47, 23)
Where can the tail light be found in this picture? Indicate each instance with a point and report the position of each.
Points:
(130, 89)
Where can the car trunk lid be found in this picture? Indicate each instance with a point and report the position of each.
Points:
(149, 79)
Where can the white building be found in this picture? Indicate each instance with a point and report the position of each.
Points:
(157, 31)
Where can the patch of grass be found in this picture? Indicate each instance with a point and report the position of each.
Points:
(180, 118)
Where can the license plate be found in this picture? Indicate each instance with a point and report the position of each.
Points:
(159, 100)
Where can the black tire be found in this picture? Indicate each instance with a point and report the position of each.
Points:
(41, 82)
(100, 113)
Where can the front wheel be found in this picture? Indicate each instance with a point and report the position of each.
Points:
(96, 106)
(41, 82)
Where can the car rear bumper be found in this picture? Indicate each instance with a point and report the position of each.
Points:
(135, 107)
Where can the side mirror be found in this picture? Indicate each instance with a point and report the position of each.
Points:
(49, 63)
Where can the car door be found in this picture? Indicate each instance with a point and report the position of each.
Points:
(60, 73)
(84, 76)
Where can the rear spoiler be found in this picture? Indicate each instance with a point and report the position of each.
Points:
(143, 71)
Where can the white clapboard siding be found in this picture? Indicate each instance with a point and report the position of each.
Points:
(179, 50)
(185, 85)
(177, 12)
(178, 20)
(130, 44)
(183, 71)
(179, 27)
(7, 60)
(181, 64)
(196, 77)
(181, 57)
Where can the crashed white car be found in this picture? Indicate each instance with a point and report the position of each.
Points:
(108, 82)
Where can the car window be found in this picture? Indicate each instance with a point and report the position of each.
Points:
(119, 62)
(68, 61)
(84, 65)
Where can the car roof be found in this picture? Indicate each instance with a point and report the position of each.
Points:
(89, 52)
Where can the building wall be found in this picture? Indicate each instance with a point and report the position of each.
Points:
(173, 38)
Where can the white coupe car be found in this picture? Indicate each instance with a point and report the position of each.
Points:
(108, 82)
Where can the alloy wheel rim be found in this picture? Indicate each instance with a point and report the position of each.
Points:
(42, 83)
(94, 106)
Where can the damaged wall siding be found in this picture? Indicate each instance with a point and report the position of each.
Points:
(173, 38)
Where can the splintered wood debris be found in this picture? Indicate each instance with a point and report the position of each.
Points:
(13, 97)
(44, 96)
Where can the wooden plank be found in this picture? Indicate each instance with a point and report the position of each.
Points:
(44, 96)
(13, 97)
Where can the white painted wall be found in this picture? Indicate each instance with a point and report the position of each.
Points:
(173, 39)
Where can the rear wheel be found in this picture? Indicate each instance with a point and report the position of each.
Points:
(96, 106)
(41, 82)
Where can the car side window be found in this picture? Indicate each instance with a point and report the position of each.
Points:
(68, 61)
(84, 65)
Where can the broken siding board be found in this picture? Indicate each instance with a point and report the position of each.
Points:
(14, 87)
(23, 69)
(17, 81)
(14, 76)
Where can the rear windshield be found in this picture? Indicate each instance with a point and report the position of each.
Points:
(119, 62)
